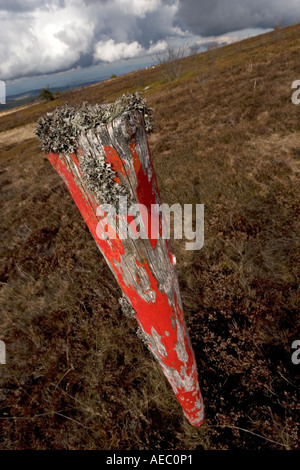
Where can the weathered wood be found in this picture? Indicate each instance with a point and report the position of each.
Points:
(103, 155)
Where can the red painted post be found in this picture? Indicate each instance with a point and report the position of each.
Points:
(103, 156)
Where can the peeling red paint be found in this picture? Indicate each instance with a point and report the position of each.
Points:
(113, 158)
(146, 190)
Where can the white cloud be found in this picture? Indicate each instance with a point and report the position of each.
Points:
(39, 38)
(138, 7)
(109, 51)
(43, 41)
(158, 47)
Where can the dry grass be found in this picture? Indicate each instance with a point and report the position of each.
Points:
(77, 376)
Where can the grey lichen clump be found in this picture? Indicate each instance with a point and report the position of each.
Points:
(126, 307)
(99, 178)
(59, 131)
(144, 337)
(129, 312)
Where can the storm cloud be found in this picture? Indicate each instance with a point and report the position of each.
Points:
(37, 38)
(215, 17)
(46, 37)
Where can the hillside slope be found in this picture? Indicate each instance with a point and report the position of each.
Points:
(77, 377)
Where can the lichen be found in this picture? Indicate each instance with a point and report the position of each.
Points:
(144, 337)
(126, 307)
(59, 131)
(99, 176)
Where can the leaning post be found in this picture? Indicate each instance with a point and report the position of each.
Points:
(102, 154)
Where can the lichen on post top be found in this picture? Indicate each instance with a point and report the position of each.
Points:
(60, 131)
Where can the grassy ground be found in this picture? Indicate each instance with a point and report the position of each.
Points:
(77, 377)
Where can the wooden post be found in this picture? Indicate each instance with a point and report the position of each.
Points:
(102, 154)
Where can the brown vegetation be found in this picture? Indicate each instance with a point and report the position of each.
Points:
(77, 376)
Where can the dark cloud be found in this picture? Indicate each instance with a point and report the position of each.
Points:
(215, 17)
(155, 27)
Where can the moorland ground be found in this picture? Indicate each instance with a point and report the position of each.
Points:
(227, 136)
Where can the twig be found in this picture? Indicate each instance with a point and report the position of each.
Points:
(281, 375)
(251, 432)
(71, 419)
(71, 368)
(30, 417)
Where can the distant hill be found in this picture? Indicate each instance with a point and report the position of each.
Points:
(21, 99)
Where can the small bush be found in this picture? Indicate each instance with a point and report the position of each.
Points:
(46, 95)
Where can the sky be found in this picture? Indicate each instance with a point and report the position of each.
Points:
(69, 39)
